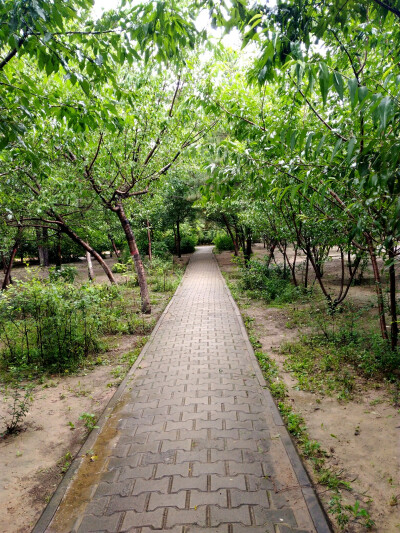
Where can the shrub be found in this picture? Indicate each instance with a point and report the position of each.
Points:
(51, 326)
(188, 243)
(65, 273)
(223, 242)
(269, 282)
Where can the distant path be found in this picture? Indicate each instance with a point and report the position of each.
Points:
(195, 442)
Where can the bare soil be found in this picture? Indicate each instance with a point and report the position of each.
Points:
(362, 435)
(33, 461)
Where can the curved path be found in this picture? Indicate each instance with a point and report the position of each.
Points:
(193, 441)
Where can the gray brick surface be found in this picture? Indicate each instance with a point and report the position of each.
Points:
(193, 443)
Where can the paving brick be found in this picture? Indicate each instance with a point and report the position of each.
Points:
(225, 482)
(128, 503)
(151, 485)
(242, 497)
(188, 483)
(151, 518)
(182, 469)
(93, 524)
(189, 516)
(167, 500)
(219, 497)
(239, 515)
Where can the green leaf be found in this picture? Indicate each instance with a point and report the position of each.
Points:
(353, 90)
(336, 148)
(350, 148)
(338, 83)
(384, 111)
(324, 81)
(308, 144)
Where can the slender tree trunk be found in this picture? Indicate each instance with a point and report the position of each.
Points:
(90, 266)
(178, 239)
(306, 273)
(271, 252)
(40, 247)
(394, 325)
(378, 287)
(144, 290)
(58, 252)
(234, 240)
(149, 239)
(45, 247)
(113, 245)
(7, 275)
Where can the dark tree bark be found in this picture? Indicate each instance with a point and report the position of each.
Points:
(378, 287)
(64, 228)
(144, 290)
(234, 239)
(117, 254)
(394, 326)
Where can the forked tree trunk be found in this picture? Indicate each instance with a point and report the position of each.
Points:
(234, 240)
(89, 266)
(133, 249)
(113, 245)
(86, 246)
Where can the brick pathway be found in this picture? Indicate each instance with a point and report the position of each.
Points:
(198, 444)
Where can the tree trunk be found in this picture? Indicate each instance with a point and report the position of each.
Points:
(378, 287)
(178, 239)
(90, 266)
(7, 275)
(149, 239)
(234, 240)
(45, 247)
(86, 246)
(113, 245)
(144, 290)
(58, 252)
(306, 273)
(394, 326)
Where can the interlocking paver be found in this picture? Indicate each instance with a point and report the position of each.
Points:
(196, 442)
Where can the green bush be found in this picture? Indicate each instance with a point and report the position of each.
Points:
(51, 326)
(223, 242)
(269, 282)
(188, 243)
(65, 273)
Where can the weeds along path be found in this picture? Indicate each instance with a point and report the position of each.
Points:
(195, 442)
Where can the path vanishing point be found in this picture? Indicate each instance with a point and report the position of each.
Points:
(192, 440)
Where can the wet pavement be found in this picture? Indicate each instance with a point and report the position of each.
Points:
(192, 440)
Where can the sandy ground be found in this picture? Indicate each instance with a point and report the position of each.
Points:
(361, 436)
(32, 462)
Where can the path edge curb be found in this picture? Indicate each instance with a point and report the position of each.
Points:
(317, 512)
(51, 508)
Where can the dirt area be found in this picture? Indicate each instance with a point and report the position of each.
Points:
(33, 461)
(361, 436)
